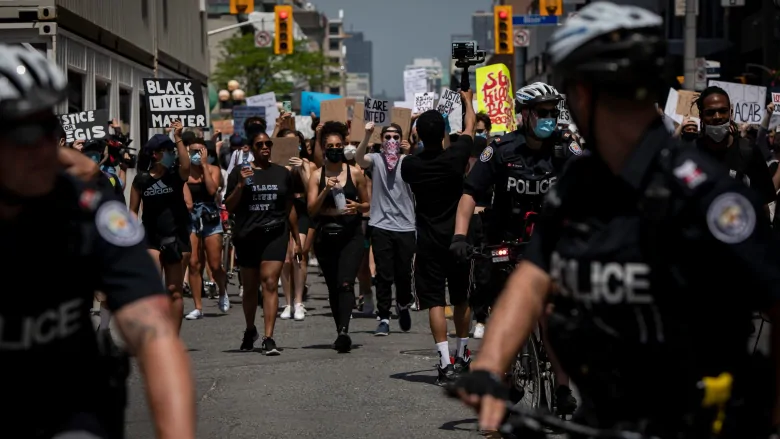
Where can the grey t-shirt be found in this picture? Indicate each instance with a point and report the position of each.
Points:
(392, 205)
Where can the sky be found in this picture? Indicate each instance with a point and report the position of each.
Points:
(404, 29)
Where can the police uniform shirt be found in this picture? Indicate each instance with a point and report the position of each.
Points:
(745, 162)
(64, 247)
(656, 272)
(520, 176)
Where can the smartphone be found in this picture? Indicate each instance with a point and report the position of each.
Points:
(287, 106)
(219, 137)
(298, 259)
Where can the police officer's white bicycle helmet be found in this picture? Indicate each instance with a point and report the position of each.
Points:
(29, 83)
(536, 93)
(618, 47)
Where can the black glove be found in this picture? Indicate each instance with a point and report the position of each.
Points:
(480, 383)
(460, 248)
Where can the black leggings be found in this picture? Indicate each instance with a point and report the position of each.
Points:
(340, 255)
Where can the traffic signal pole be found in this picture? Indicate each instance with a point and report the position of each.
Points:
(233, 26)
(690, 45)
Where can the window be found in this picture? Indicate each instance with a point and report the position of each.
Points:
(334, 44)
(75, 92)
(335, 76)
(335, 90)
(335, 61)
(334, 29)
(102, 95)
(125, 108)
(165, 14)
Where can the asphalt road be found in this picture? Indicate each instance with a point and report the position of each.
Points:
(384, 388)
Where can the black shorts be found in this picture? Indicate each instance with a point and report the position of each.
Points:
(154, 239)
(436, 270)
(264, 244)
(302, 211)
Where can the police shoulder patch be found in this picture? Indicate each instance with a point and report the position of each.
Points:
(117, 225)
(486, 155)
(731, 218)
(575, 149)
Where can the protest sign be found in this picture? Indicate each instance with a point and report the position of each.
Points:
(310, 102)
(423, 102)
(776, 101)
(415, 81)
(303, 123)
(357, 128)
(747, 101)
(376, 111)
(564, 118)
(86, 125)
(686, 103)
(241, 114)
(284, 149)
(403, 104)
(399, 116)
(496, 98)
(268, 101)
(170, 99)
(223, 126)
(334, 110)
(449, 100)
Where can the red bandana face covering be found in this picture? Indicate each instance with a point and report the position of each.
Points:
(391, 151)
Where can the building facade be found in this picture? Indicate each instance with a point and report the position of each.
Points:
(360, 56)
(336, 51)
(434, 69)
(358, 85)
(107, 48)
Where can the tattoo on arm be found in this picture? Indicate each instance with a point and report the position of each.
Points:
(143, 322)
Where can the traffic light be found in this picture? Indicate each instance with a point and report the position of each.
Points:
(283, 43)
(502, 18)
(551, 7)
(241, 6)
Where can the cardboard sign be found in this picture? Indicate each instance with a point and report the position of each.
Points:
(223, 126)
(86, 125)
(449, 100)
(564, 118)
(171, 99)
(423, 102)
(747, 101)
(284, 149)
(334, 110)
(376, 111)
(241, 114)
(686, 103)
(357, 128)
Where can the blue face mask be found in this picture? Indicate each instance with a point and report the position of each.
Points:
(168, 159)
(482, 134)
(545, 127)
(195, 159)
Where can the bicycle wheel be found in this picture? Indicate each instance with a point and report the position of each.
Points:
(526, 383)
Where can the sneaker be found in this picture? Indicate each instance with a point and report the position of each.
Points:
(250, 336)
(404, 318)
(446, 375)
(300, 312)
(224, 303)
(565, 403)
(343, 342)
(383, 329)
(462, 364)
(240, 291)
(479, 331)
(211, 289)
(414, 306)
(195, 314)
(313, 262)
(287, 313)
(269, 347)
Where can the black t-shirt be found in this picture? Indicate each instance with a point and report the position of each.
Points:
(745, 162)
(668, 259)
(48, 344)
(436, 179)
(164, 211)
(264, 203)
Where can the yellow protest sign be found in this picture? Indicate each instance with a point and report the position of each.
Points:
(495, 97)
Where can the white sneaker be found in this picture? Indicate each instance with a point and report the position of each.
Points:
(241, 291)
(313, 262)
(280, 282)
(195, 314)
(224, 303)
(479, 331)
(300, 312)
(287, 313)
(413, 306)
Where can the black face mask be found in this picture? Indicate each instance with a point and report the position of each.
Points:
(334, 155)
(689, 136)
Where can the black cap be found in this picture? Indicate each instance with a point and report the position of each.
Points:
(158, 142)
(237, 141)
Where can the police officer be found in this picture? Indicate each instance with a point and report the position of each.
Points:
(520, 167)
(655, 257)
(48, 346)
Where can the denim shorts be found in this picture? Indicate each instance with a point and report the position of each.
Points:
(200, 225)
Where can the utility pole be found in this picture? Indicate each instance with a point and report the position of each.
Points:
(690, 44)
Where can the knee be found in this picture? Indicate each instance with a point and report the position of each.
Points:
(269, 284)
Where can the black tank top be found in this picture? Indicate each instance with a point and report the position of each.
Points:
(350, 190)
(199, 193)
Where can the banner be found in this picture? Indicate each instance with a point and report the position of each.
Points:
(748, 102)
(171, 99)
(241, 114)
(310, 102)
(495, 97)
(86, 125)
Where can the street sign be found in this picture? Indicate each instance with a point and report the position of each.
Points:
(730, 3)
(262, 39)
(522, 37)
(535, 20)
(551, 7)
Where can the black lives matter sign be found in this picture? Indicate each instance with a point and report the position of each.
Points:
(85, 125)
(171, 99)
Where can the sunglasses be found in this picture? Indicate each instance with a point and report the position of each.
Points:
(541, 112)
(267, 143)
(396, 137)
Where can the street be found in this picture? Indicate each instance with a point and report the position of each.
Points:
(384, 388)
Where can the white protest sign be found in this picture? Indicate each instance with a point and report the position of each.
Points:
(776, 101)
(415, 81)
(449, 100)
(747, 101)
(303, 124)
(267, 100)
(423, 102)
(376, 111)
(564, 118)
(455, 117)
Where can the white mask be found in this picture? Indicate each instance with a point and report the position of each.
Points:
(350, 152)
(717, 132)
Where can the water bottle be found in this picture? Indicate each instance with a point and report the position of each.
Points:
(245, 164)
(339, 198)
